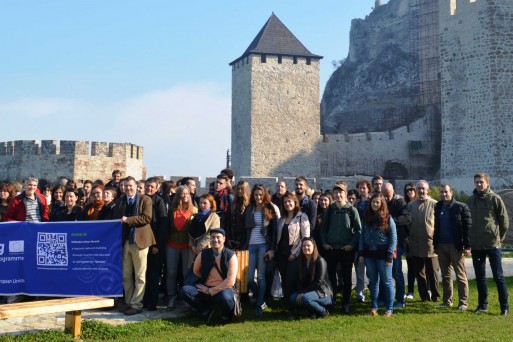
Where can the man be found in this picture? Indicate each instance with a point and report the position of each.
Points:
(191, 184)
(28, 206)
(116, 178)
(353, 196)
(364, 188)
(88, 187)
(451, 242)
(420, 243)
(340, 231)
(377, 183)
(307, 204)
(401, 216)
(136, 213)
(281, 189)
(224, 202)
(156, 252)
(490, 223)
(216, 268)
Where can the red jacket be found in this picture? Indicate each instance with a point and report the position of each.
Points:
(17, 211)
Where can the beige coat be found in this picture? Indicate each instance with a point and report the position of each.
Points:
(299, 228)
(213, 221)
(420, 240)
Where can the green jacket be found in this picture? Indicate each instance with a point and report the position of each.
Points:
(180, 237)
(490, 220)
(341, 226)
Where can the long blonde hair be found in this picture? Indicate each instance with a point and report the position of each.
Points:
(177, 200)
(241, 203)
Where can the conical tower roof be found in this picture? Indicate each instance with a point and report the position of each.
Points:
(276, 39)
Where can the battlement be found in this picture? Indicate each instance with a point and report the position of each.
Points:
(19, 148)
(273, 59)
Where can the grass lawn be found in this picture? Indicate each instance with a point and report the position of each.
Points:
(418, 321)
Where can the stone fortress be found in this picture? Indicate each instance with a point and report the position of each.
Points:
(425, 92)
(78, 160)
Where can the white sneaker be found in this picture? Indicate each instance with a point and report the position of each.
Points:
(462, 307)
(409, 295)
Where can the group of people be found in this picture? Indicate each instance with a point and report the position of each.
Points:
(184, 243)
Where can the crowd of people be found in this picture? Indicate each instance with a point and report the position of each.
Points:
(182, 245)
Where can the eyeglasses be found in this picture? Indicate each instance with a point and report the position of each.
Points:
(97, 193)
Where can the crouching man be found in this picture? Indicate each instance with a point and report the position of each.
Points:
(216, 268)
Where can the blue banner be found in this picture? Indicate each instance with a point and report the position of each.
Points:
(61, 258)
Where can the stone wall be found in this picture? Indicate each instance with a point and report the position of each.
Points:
(78, 160)
(275, 116)
(477, 91)
(370, 153)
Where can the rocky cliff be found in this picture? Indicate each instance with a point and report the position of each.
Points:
(373, 89)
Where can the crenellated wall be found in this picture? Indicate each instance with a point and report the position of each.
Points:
(78, 160)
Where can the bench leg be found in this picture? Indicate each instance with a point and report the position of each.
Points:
(72, 323)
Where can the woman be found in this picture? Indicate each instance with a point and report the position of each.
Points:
(180, 217)
(315, 197)
(71, 211)
(292, 227)
(410, 194)
(314, 291)
(93, 209)
(325, 201)
(260, 222)
(241, 202)
(203, 221)
(57, 201)
(109, 203)
(378, 241)
(7, 192)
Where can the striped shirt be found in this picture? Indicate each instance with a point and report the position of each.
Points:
(32, 209)
(256, 237)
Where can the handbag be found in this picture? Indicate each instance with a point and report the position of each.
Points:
(276, 288)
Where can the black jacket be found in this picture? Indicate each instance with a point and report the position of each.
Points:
(460, 221)
(402, 218)
(320, 283)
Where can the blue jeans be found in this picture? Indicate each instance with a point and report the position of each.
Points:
(175, 256)
(376, 270)
(397, 272)
(203, 302)
(257, 262)
(311, 301)
(479, 261)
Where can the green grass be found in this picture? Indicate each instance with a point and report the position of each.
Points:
(417, 322)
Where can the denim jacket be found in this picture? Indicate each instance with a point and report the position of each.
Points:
(376, 243)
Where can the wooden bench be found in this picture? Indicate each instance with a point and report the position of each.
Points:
(71, 306)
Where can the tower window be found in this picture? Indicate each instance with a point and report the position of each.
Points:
(295, 60)
(308, 61)
(263, 59)
(279, 59)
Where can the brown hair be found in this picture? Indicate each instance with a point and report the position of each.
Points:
(382, 213)
(267, 208)
(303, 275)
(293, 197)
(482, 175)
(211, 200)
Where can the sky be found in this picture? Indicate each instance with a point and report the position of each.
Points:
(151, 73)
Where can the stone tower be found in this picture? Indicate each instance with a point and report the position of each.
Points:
(275, 106)
(477, 92)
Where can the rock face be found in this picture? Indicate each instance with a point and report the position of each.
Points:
(373, 89)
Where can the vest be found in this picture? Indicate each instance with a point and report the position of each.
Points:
(207, 262)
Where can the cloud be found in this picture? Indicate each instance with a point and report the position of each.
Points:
(185, 130)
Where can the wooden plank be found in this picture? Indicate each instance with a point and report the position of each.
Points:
(73, 323)
(53, 306)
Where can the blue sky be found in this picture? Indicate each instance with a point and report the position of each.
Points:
(153, 73)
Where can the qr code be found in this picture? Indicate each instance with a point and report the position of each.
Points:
(52, 249)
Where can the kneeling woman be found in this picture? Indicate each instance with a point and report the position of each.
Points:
(314, 288)
(377, 245)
